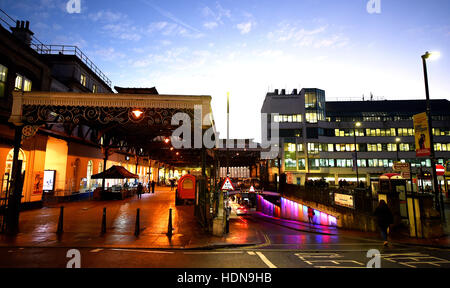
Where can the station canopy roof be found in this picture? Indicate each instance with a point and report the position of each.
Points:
(111, 120)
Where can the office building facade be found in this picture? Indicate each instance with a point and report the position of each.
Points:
(317, 137)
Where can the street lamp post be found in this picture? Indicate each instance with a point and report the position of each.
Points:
(357, 125)
(430, 127)
(397, 140)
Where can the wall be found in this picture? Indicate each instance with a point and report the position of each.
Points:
(56, 159)
(34, 149)
(296, 209)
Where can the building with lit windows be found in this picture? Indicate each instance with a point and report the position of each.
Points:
(317, 137)
(71, 152)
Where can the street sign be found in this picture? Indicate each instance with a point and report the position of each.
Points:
(406, 175)
(252, 189)
(344, 200)
(401, 167)
(440, 170)
(227, 185)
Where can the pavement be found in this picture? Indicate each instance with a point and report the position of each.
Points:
(82, 227)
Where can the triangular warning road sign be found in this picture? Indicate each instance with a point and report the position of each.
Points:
(252, 189)
(227, 185)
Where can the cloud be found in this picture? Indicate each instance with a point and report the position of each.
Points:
(215, 17)
(107, 16)
(117, 25)
(123, 31)
(175, 19)
(172, 29)
(210, 25)
(245, 27)
(317, 37)
(109, 54)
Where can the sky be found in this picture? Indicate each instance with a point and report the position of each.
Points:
(250, 47)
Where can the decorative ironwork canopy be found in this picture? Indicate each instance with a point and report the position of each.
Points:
(135, 122)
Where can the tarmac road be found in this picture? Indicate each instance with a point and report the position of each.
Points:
(283, 248)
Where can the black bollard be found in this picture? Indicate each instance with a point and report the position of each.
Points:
(137, 228)
(104, 221)
(169, 228)
(227, 226)
(60, 221)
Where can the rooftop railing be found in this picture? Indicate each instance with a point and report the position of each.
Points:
(70, 50)
(38, 46)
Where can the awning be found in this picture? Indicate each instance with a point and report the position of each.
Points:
(115, 172)
(391, 176)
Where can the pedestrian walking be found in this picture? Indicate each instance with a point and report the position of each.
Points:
(384, 219)
(172, 184)
(310, 215)
(153, 187)
(139, 190)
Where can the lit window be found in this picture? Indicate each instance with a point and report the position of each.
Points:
(19, 82)
(94, 88)
(83, 80)
(311, 117)
(301, 164)
(22, 84)
(330, 147)
(26, 85)
(289, 147)
(3, 76)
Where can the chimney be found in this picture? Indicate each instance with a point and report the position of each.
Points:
(22, 32)
(283, 91)
(294, 92)
(276, 92)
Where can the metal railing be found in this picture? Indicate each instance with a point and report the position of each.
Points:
(41, 48)
(363, 200)
(6, 19)
(70, 50)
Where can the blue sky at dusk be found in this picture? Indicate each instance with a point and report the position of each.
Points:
(249, 47)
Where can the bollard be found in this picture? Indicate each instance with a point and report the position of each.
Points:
(227, 226)
(169, 228)
(104, 221)
(60, 221)
(137, 228)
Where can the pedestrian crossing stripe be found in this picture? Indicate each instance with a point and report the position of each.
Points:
(227, 185)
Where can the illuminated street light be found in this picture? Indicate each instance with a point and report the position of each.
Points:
(137, 113)
(166, 140)
(432, 55)
(438, 205)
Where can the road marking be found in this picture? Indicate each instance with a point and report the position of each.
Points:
(326, 244)
(265, 260)
(215, 252)
(412, 259)
(251, 253)
(143, 251)
(318, 258)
